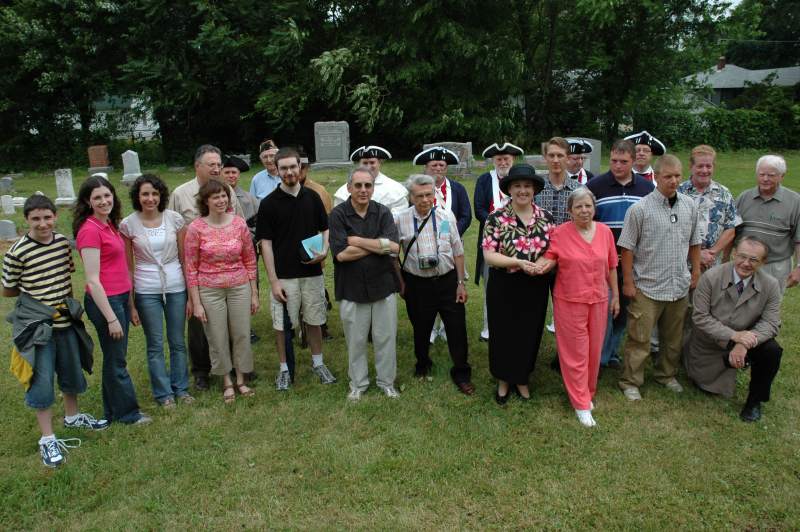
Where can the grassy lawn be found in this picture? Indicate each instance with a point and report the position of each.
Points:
(434, 459)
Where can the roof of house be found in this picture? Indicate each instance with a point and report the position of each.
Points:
(734, 77)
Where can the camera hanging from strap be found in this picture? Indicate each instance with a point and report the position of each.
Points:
(414, 238)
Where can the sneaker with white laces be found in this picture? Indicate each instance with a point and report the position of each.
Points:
(585, 417)
(391, 392)
(354, 395)
(632, 394)
(52, 450)
(551, 327)
(283, 381)
(86, 421)
(144, 419)
(324, 374)
(674, 386)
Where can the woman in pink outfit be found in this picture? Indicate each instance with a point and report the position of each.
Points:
(586, 257)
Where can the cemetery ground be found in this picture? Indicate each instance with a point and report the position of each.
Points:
(434, 459)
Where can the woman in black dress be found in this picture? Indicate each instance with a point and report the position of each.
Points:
(516, 298)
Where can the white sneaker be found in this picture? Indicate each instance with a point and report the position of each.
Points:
(433, 336)
(674, 385)
(391, 392)
(632, 394)
(551, 327)
(354, 395)
(585, 417)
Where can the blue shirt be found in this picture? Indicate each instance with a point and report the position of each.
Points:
(614, 200)
(263, 184)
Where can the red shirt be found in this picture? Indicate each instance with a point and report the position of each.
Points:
(114, 274)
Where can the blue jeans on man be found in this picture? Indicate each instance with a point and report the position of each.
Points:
(60, 356)
(153, 310)
(614, 332)
(119, 395)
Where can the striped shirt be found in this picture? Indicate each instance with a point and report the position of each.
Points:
(446, 235)
(42, 271)
(614, 200)
(776, 221)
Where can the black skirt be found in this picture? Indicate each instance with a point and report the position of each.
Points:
(517, 306)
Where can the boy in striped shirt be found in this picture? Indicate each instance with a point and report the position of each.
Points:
(40, 265)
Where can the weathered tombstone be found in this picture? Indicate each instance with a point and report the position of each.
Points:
(98, 159)
(537, 161)
(19, 201)
(65, 193)
(594, 160)
(176, 169)
(331, 145)
(464, 152)
(7, 203)
(6, 184)
(8, 230)
(131, 168)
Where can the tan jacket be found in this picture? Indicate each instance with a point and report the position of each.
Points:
(719, 311)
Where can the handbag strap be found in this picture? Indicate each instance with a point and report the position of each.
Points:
(414, 238)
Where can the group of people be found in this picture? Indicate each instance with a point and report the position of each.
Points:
(620, 251)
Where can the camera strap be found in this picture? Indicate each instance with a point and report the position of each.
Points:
(417, 231)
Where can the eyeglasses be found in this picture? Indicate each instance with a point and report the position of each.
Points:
(746, 258)
(365, 186)
(768, 175)
(213, 165)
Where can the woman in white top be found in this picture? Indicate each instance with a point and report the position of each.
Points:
(154, 238)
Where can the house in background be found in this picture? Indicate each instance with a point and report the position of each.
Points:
(728, 81)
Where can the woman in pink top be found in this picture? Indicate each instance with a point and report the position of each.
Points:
(221, 277)
(107, 299)
(587, 269)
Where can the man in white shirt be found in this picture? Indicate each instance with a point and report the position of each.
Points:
(387, 191)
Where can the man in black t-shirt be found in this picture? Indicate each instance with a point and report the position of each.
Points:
(287, 217)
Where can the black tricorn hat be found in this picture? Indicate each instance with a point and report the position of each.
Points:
(579, 146)
(502, 149)
(643, 137)
(370, 152)
(436, 153)
(519, 172)
(236, 162)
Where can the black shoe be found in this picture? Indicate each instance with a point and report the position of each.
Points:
(326, 335)
(423, 373)
(614, 364)
(483, 339)
(522, 397)
(751, 413)
(254, 337)
(201, 382)
(501, 399)
(555, 365)
(250, 377)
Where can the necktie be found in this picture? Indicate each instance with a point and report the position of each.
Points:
(740, 287)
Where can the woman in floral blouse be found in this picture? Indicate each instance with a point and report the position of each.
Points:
(221, 277)
(516, 298)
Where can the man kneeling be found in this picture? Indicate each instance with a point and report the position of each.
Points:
(736, 318)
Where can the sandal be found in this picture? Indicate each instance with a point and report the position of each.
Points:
(247, 392)
(229, 399)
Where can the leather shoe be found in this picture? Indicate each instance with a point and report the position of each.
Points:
(501, 399)
(201, 382)
(751, 413)
(467, 388)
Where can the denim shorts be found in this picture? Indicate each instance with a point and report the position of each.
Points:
(60, 356)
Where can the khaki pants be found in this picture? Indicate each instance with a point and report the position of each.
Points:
(228, 314)
(643, 314)
(779, 270)
(356, 321)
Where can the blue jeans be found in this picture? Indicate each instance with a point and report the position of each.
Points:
(153, 309)
(60, 356)
(614, 331)
(119, 396)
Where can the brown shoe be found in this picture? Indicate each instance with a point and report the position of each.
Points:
(467, 388)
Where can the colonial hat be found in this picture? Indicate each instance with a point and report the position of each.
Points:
(502, 149)
(370, 152)
(236, 162)
(579, 146)
(522, 172)
(436, 153)
(643, 137)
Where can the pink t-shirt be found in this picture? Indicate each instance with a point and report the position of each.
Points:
(582, 267)
(219, 257)
(114, 274)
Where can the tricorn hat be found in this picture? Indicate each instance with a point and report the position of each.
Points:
(579, 146)
(525, 172)
(502, 149)
(370, 152)
(643, 137)
(436, 153)
(236, 162)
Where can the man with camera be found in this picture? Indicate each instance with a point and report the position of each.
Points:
(432, 278)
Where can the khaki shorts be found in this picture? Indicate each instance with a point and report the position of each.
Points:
(307, 293)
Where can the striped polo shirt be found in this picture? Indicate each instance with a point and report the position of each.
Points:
(614, 200)
(776, 220)
(43, 271)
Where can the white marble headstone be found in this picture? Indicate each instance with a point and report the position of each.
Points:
(131, 169)
(8, 230)
(7, 203)
(64, 188)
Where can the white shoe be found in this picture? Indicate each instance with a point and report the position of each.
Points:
(674, 385)
(391, 392)
(591, 405)
(585, 417)
(354, 395)
(433, 336)
(632, 394)
(551, 327)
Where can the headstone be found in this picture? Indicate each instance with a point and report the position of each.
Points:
(19, 201)
(464, 152)
(538, 162)
(331, 145)
(8, 230)
(65, 193)
(98, 159)
(131, 168)
(176, 169)
(7, 203)
(15, 176)
(6, 184)
(243, 156)
(594, 160)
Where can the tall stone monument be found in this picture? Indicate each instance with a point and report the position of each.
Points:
(65, 193)
(131, 168)
(331, 145)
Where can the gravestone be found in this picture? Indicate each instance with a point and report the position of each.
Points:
(65, 193)
(6, 184)
(594, 160)
(98, 159)
(131, 168)
(8, 230)
(7, 203)
(464, 152)
(331, 145)
(243, 156)
(538, 162)
(19, 201)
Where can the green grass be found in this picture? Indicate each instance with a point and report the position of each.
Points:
(434, 459)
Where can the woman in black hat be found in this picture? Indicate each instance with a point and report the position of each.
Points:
(513, 238)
